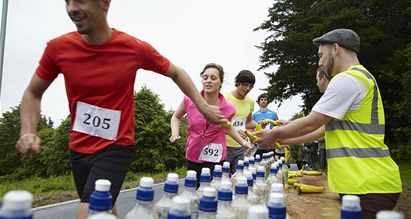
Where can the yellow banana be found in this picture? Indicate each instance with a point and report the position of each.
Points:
(271, 121)
(312, 173)
(287, 154)
(226, 124)
(310, 189)
(258, 127)
(292, 181)
(251, 136)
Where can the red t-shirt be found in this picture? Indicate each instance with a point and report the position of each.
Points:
(100, 75)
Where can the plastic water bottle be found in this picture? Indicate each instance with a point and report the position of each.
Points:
(351, 208)
(246, 163)
(276, 206)
(101, 200)
(144, 200)
(17, 205)
(252, 190)
(180, 208)
(240, 203)
(225, 197)
(170, 190)
(205, 180)
(239, 172)
(208, 204)
(261, 186)
(190, 185)
(257, 161)
(217, 174)
(285, 171)
(280, 174)
(276, 188)
(272, 178)
(251, 161)
(226, 171)
(102, 215)
(257, 212)
(253, 173)
(251, 152)
(386, 214)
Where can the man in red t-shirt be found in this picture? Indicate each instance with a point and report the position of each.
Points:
(99, 66)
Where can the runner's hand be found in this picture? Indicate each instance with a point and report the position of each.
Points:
(28, 143)
(174, 138)
(242, 133)
(247, 145)
(213, 114)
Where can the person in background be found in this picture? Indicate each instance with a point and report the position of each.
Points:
(265, 113)
(99, 65)
(242, 120)
(350, 115)
(206, 143)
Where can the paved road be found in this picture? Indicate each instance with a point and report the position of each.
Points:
(125, 202)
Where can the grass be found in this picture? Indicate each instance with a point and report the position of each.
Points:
(58, 189)
(405, 171)
(405, 198)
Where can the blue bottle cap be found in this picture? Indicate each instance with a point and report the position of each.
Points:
(100, 201)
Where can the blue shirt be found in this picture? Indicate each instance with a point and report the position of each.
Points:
(269, 114)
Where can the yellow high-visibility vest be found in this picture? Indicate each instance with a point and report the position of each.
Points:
(358, 160)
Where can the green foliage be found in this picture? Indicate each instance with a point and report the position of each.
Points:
(384, 29)
(55, 150)
(10, 158)
(401, 153)
(405, 172)
(154, 152)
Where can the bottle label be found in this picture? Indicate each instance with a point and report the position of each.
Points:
(96, 121)
(211, 153)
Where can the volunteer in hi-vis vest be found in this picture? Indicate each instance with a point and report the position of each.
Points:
(351, 116)
(242, 119)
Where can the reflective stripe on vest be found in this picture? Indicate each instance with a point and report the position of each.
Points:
(374, 127)
(357, 152)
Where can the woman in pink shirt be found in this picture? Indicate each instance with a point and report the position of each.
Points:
(206, 143)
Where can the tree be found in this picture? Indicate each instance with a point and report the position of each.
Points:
(10, 157)
(385, 30)
(154, 152)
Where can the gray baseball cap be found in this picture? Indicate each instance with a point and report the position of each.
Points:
(344, 37)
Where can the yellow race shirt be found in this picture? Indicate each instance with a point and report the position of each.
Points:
(244, 108)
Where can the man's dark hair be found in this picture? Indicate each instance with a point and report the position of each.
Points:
(322, 73)
(263, 95)
(244, 76)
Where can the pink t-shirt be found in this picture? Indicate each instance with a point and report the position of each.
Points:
(203, 134)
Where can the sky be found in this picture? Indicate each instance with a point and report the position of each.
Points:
(190, 33)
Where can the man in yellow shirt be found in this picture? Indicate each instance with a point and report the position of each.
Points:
(242, 119)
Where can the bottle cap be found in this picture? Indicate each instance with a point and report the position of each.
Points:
(146, 182)
(225, 193)
(17, 199)
(386, 214)
(260, 171)
(205, 175)
(277, 188)
(180, 203)
(257, 212)
(246, 161)
(191, 174)
(217, 171)
(102, 185)
(208, 203)
(101, 199)
(257, 158)
(191, 179)
(145, 191)
(241, 186)
(209, 191)
(171, 185)
(276, 199)
(351, 201)
(240, 163)
(226, 164)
